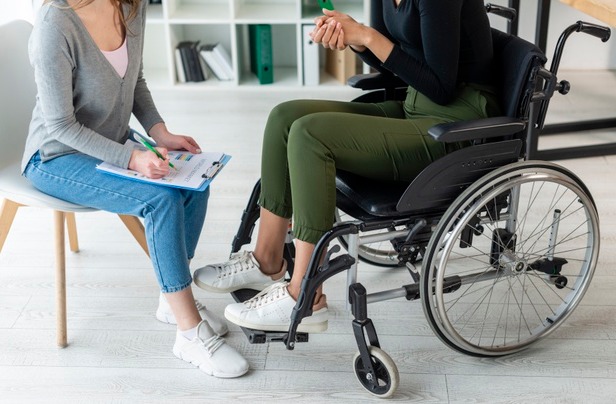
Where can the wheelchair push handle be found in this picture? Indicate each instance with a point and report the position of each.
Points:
(502, 11)
(599, 31)
(563, 87)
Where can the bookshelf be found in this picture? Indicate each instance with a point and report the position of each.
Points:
(227, 22)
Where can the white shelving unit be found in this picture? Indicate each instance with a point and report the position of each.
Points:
(227, 21)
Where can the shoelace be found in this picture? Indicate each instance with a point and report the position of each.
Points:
(238, 262)
(267, 295)
(211, 344)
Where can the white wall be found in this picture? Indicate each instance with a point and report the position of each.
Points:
(582, 51)
(16, 9)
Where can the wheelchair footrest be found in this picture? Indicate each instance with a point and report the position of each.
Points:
(260, 336)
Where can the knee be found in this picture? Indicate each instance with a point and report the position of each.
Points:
(167, 198)
(304, 132)
(287, 109)
(283, 115)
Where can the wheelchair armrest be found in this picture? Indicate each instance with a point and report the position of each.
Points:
(477, 129)
(375, 81)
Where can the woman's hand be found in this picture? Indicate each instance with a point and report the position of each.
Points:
(328, 33)
(340, 30)
(170, 141)
(149, 164)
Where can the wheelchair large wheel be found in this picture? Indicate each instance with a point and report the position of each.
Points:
(380, 253)
(510, 259)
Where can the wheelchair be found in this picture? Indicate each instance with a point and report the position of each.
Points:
(499, 249)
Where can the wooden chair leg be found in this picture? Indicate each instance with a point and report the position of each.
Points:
(133, 224)
(7, 214)
(61, 331)
(71, 228)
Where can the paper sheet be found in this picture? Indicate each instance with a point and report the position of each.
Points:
(190, 169)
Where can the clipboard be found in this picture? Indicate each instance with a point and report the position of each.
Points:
(194, 171)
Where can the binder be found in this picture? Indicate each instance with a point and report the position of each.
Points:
(261, 62)
(310, 57)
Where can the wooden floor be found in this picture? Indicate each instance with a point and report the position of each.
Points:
(118, 352)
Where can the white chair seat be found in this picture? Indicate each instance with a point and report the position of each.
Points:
(18, 189)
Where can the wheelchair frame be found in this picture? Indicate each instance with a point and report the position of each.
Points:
(442, 214)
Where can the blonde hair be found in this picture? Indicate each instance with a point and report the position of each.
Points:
(134, 8)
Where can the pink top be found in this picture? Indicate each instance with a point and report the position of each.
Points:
(118, 58)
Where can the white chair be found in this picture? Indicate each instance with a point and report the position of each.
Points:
(17, 98)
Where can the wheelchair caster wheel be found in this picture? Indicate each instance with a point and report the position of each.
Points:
(387, 377)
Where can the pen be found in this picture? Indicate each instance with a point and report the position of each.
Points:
(152, 149)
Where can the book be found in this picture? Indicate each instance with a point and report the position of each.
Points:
(182, 49)
(342, 64)
(223, 56)
(261, 61)
(310, 57)
(192, 171)
(190, 60)
(179, 66)
(218, 60)
(195, 62)
(204, 67)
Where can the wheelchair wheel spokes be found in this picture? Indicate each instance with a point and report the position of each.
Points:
(504, 277)
(380, 253)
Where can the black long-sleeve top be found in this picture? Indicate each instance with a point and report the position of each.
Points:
(438, 44)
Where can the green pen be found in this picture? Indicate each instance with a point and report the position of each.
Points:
(153, 150)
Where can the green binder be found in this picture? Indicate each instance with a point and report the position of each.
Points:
(261, 62)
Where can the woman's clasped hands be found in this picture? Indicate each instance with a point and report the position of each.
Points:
(336, 30)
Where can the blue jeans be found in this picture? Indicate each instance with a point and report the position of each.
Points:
(173, 217)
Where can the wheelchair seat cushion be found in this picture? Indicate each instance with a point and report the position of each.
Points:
(363, 198)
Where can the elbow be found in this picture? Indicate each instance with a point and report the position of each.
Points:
(446, 93)
(443, 97)
(57, 128)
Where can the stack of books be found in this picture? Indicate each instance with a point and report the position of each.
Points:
(218, 60)
(194, 62)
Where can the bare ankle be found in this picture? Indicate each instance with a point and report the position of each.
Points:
(320, 300)
(293, 291)
(268, 267)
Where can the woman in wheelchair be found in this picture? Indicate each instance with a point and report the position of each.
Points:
(443, 51)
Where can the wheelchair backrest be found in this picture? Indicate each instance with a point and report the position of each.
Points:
(516, 62)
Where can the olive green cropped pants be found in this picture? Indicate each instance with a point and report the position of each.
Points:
(305, 142)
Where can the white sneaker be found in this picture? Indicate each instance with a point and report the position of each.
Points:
(240, 272)
(210, 352)
(165, 315)
(271, 310)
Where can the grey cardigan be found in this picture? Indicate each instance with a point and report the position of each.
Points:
(82, 104)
